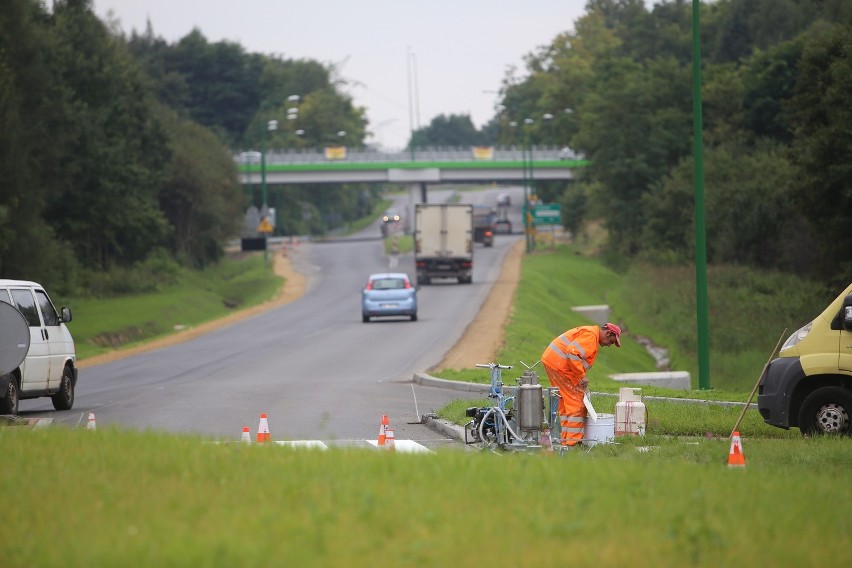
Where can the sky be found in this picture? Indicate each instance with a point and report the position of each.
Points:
(456, 52)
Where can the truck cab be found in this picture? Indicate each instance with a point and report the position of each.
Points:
(809, 384)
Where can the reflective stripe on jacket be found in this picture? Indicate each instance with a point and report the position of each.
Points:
(573, 352)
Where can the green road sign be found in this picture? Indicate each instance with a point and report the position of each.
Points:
(546, 214)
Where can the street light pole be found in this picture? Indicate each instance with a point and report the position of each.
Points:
(529, 186)
(270, 125)
(264, 207)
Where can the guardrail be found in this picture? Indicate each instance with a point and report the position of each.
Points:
(431, 154)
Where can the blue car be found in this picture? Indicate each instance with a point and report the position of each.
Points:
(388, 294)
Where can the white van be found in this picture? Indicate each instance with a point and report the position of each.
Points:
(50, 367)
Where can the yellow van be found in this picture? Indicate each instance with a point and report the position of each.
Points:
(809, 384)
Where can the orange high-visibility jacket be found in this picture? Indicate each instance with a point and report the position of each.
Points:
(573, 352)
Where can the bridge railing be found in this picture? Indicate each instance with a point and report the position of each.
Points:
(427, 154)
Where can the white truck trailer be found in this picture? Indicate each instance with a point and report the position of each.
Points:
(443, 242)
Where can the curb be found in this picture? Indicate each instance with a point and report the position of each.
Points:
(429, 381)
(12, 420)
(444, 427)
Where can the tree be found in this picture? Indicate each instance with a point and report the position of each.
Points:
(455, 130)
(112, 149)
(200, 196)
(27, 84)
(749, 210)
(635, 127)
(822, 149)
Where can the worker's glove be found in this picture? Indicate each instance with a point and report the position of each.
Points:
(583, 384)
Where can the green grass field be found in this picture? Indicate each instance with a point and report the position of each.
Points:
(102, 325)
(118, 498)
(114, 497)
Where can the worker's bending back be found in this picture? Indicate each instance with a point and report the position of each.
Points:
(567, 360)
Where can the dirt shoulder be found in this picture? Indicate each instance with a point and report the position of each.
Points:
(484, 335)
(480, 341)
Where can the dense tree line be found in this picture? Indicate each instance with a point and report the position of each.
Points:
(116, 150)
(777, 78)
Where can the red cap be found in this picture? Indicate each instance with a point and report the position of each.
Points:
(616, 330)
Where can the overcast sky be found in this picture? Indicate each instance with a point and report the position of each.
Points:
(461, 48)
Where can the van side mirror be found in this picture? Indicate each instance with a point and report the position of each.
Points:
(65, 314)
(847, 318)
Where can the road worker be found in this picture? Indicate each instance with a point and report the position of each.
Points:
(567, 360)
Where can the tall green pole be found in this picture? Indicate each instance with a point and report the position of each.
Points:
(526, 209)
(263, 165)
(702, 315)
(263, 186)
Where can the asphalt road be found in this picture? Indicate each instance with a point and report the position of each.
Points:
(313, 366)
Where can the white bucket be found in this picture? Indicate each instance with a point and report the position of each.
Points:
(601, 430)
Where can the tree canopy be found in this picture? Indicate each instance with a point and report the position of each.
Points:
(116, 149)
(775, 76)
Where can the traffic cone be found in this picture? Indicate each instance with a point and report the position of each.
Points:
(91, 424)
(263, 429)
(246, 437)
(389, 441)
(735, 455)
(383, 430)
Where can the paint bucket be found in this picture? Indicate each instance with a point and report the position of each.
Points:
(598, 431)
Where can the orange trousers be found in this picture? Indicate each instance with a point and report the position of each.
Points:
(572, 411)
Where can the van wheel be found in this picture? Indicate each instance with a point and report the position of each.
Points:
(9, 401)
(826, 411)
(64, 399)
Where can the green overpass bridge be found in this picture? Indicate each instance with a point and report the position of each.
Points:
(421, 166)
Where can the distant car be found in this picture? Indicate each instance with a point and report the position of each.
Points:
(504, 200)
(503, 227)
(392, 222)
(483, 224)
(388, 294)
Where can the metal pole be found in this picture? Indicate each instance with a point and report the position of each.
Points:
(263, 165)
(702, 315)
(526, 208)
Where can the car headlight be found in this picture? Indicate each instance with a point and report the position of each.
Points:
(797, 337)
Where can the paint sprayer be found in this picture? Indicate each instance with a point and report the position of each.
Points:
(520, 418)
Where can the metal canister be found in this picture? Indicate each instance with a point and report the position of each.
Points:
(530, 407)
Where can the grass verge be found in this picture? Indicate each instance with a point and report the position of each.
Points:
(103, 325)
(145, 499)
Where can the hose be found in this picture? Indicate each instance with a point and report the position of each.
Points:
(502, 417)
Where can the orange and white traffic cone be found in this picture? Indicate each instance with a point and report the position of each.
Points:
(91, 424)
(389, 441)
(246, 437)
(263, 429)
(383, 430)
(735, 455)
